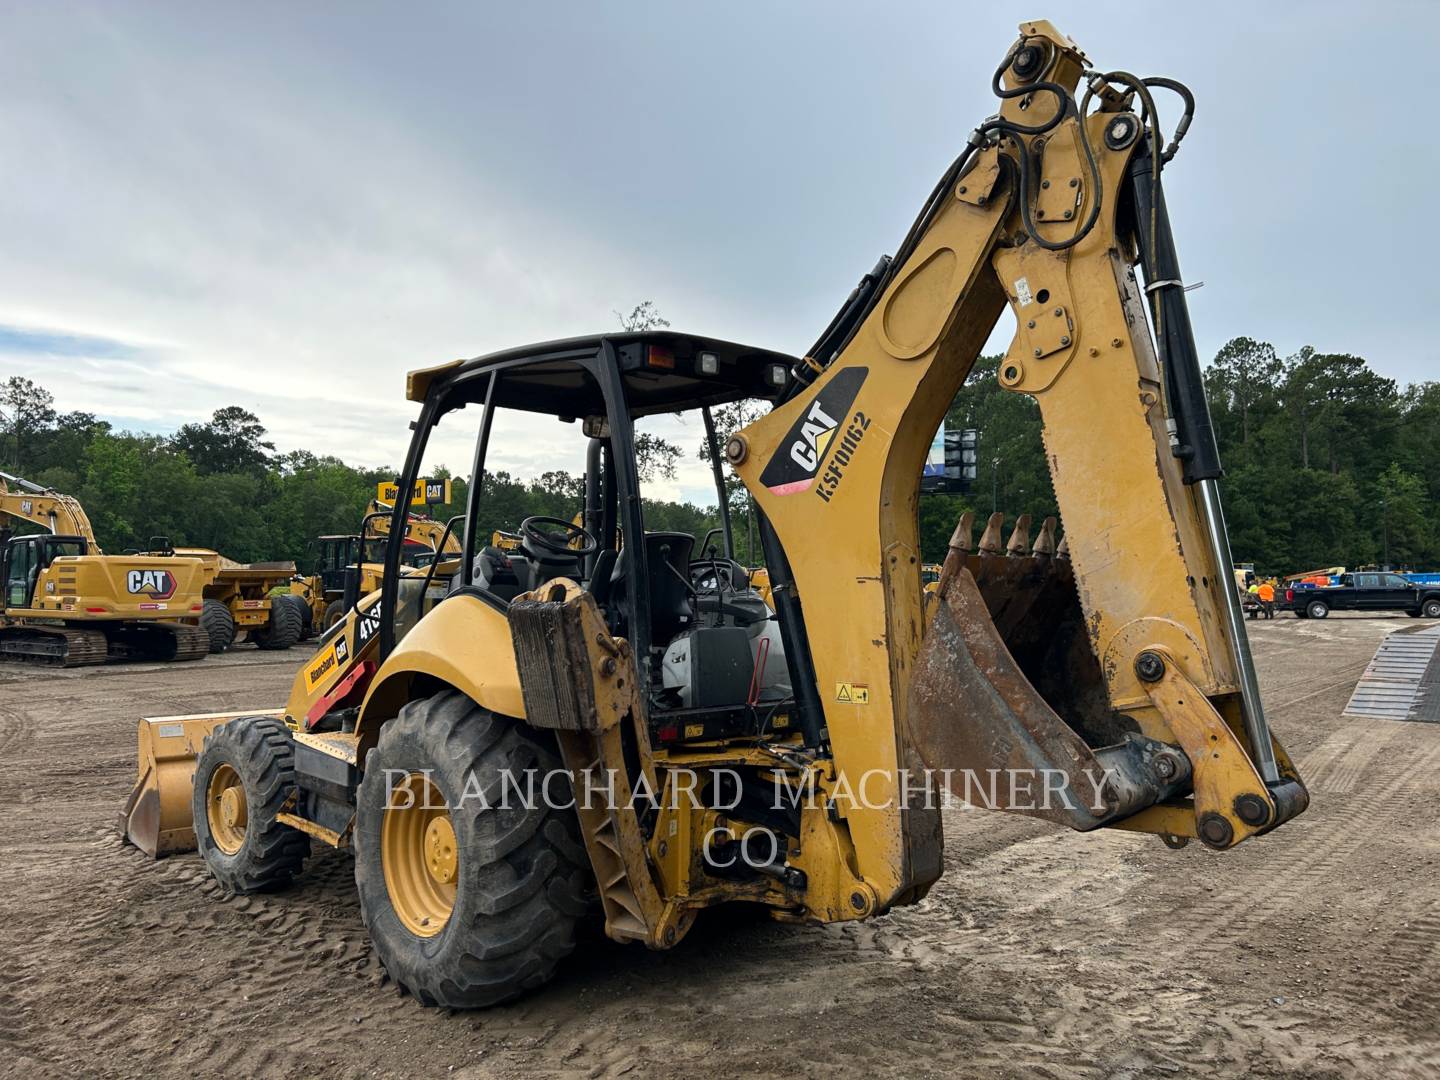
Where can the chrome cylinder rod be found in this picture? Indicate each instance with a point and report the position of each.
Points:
(1262, 749)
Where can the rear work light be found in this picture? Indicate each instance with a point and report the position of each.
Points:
(709, 363)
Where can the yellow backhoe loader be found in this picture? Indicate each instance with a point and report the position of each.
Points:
(68, 604)
(350, 566)
(508, 734)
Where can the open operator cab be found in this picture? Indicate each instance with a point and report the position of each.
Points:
(713, 663)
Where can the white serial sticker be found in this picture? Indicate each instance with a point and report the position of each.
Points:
(169, 731)
(1022, 292)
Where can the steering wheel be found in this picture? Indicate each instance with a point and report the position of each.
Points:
(556, 538)
(718, 575)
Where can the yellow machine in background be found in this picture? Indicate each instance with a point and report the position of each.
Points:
(253, 601)
(350, 565)
(67, 603)
(658, 734)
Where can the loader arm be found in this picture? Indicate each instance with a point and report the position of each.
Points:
(59, 514)
(1047, 212)
(423, 530)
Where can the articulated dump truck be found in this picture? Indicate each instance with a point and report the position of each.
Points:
(609, 718)
(248, 601)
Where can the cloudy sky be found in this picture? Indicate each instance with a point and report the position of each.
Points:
(286, 206)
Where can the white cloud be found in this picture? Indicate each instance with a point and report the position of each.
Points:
(287, 207)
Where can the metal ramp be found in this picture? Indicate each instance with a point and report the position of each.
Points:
(1402, 682)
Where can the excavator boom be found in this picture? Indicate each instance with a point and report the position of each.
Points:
(57, 513)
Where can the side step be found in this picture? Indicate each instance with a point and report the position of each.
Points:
(580, 682)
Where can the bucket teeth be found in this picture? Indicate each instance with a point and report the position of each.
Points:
(1063, 550)
(1045, 541)
(1019, 544)
(990, 538)
(960, 539)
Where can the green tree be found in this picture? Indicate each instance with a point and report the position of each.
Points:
(233, 441)
(1405, 530)
(26, 409)
(1240, 383)
(110, 492)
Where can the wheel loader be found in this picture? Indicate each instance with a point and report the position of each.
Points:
(69, 604)
(511, 739)
(349, 566)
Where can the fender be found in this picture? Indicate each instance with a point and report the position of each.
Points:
(463, 642)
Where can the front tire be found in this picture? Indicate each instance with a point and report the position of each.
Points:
(467, 903)
(243, 776)
(218, 624)
(334, 612)
(1316, 609)
(1431, 609)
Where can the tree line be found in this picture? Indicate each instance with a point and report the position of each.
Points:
(220, 483)
(1327, 463)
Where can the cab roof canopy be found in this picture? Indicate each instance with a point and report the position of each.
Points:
(662, 371)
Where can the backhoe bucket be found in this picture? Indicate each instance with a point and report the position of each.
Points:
(1002, 617)
(156, 818)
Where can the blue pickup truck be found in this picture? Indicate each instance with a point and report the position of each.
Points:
(1377, 591)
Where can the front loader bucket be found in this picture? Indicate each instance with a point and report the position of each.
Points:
(156, 818)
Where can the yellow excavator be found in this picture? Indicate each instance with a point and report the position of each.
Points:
(69, 604)
(512, 734)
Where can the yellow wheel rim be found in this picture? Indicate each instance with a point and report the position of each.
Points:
(226, 811)
(419, 855)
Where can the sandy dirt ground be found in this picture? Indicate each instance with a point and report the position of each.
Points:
(1312, 952)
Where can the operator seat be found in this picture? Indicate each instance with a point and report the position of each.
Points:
(667, 558)
(666, 553)
(497, 574)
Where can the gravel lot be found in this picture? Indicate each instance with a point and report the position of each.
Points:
(1312, 952)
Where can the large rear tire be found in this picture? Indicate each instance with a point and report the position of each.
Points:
(242, 778)
(307, 615)
(218, 624)
(334, 612)
(283, 629)
(466, 905)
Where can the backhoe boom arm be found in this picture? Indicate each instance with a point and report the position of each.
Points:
(1137, 666)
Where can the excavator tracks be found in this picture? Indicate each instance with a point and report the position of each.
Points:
(53, 646)
(158, 642)
(69, 646)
